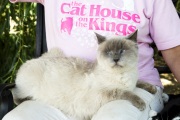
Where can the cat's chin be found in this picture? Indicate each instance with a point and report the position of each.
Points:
(117, 66)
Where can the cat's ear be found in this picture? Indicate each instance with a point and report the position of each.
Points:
(100, 38)
(133, 36)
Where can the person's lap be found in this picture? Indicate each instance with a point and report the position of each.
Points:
(33, 110)
(124, 110)
(115, 110)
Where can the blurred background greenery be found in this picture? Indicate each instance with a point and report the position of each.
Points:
(17, 37)
(17, 41)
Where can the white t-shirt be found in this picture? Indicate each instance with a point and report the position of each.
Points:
(70, 25)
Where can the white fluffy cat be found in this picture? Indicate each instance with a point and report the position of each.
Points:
(78, 87)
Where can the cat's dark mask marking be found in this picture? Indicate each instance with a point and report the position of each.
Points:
(115, 47)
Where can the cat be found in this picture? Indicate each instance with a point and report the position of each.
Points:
(78, 87)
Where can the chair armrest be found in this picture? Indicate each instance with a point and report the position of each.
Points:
(163, 69)
(6, 99)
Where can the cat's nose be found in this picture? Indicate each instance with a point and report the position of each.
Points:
(116, 60)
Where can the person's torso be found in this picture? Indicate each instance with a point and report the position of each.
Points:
(71, 26)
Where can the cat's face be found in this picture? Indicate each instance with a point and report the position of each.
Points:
(117, 53)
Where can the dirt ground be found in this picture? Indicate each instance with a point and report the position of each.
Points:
(171, 86)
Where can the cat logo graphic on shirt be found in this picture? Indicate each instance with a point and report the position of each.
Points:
(66, 25)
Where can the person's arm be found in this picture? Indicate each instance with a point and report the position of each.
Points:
(172, 58)
(164, 30)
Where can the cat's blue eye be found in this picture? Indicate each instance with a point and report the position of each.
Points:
(110, 52)
(121, 51)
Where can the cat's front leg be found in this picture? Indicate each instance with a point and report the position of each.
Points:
(130, 96)
(146, 86)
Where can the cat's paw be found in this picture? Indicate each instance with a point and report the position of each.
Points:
(153, 89)
(139, 103)
(146, 86)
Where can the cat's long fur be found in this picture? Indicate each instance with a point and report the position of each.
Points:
(78, 87)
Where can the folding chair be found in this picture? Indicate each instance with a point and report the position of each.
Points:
(6, 99)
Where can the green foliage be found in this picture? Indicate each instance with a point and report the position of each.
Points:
(178, 6)
(17, 38)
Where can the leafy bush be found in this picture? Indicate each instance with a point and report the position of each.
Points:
(17, 38)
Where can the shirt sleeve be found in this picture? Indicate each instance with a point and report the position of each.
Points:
(165, 25)
(37, 1)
